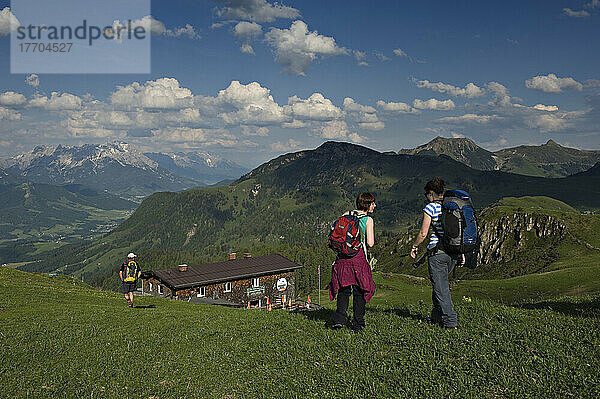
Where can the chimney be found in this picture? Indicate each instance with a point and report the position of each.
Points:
(247, 255)
(183, 268)
(231, 256)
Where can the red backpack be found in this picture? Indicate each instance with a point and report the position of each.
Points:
(344, 237)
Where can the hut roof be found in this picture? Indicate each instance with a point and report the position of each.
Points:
(230, 270)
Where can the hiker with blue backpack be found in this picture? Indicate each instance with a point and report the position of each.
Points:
(129, 274)
(453, 240)
(351, 275)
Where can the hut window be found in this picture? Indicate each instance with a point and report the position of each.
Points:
(228, 287)
(255, 282)
(201, 292)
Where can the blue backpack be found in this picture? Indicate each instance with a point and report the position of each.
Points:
(459, 223)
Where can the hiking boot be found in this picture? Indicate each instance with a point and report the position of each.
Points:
(451, 328)
(337, 326)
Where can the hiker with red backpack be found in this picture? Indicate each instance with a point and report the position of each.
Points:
(350, 236)
(129, 274)
(454, 238)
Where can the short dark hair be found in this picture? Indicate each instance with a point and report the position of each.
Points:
(364, 201)
(437, 185)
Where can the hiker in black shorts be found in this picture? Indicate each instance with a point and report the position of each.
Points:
(129, 273)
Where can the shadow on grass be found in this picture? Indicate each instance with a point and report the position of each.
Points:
(588, 308)
(405, 313)
(322, 314)
(144, 307)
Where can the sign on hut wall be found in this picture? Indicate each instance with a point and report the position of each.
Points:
(282, 284)
(255, 291)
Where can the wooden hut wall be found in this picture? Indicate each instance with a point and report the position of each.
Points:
(240, 289)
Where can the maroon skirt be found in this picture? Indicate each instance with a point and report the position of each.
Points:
(352, 271)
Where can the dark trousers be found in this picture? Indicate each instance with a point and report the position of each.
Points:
(358, 304)
(440, 266)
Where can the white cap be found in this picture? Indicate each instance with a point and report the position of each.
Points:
(131, 255)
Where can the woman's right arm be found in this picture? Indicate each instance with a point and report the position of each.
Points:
(422, 234)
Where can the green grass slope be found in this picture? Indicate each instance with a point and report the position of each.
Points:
(63, 339)
(536, 202)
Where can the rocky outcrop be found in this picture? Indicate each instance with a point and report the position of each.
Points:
(502, 237)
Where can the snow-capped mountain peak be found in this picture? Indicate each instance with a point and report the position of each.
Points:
(63, 157)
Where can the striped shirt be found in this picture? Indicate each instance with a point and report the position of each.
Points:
(434, 209)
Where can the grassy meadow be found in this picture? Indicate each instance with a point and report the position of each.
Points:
(63, 339)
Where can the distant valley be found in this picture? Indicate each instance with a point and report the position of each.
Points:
(58, 194)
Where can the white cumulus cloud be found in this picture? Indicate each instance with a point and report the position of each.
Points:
(338, 129)
(591, 84)
(469, 91)
(360, 57)
(576, 14)
(396, 107)
(255, 131)
(334, 130)
(592, 4)
(157, 28)
(468, 118)
(350, 105)
(552, 83)
(197, 136)
(378, 125)
(56, 102)
(255, 10)
(9, 114)
(295, 124)
(248, 104)
(10, 98)
(364, 115)
(547, 122)
(501, 95)
(163, 93)
(8, 21)
(296, 48)
(316, 107)
(433, 104)
(247, 29)
(246, 48)
(548, 108)
(33, 80)
(290, 145)
(187, 31)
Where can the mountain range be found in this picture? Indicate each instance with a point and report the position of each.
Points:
(547, 160)
(199, 166)
(291, 200)
(119, 168)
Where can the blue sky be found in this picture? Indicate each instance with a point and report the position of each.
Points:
(389, 76)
